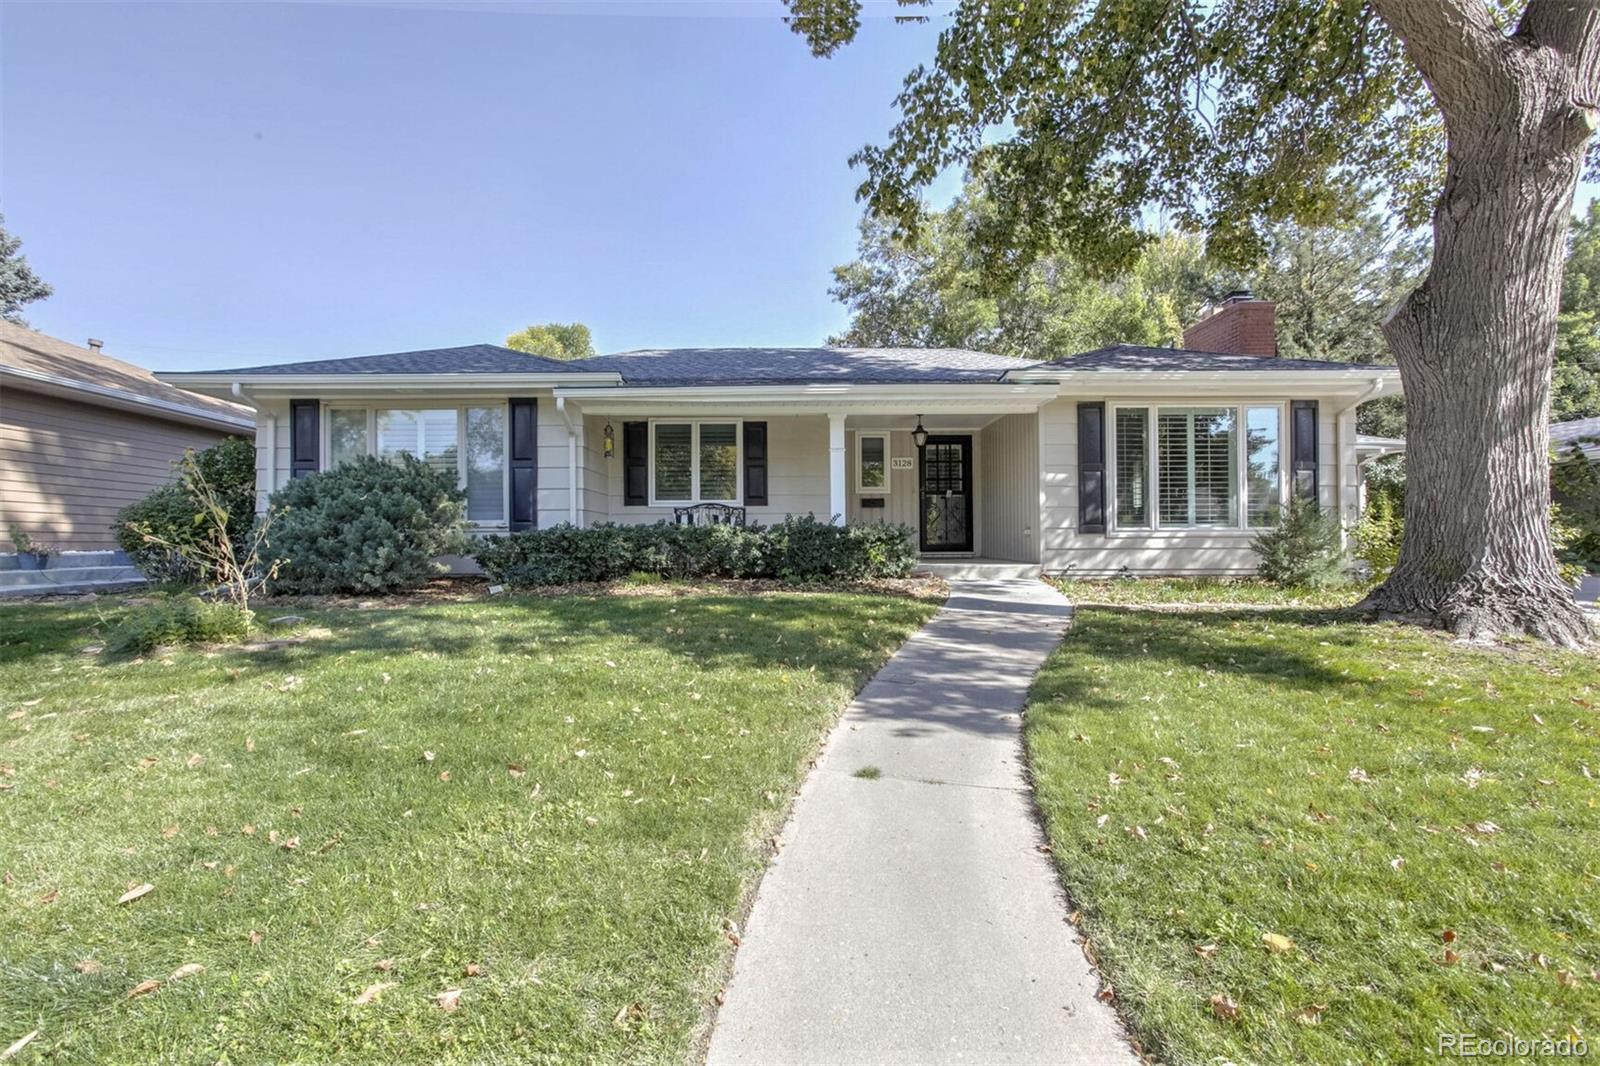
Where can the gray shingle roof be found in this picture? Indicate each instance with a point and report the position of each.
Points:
(1563, 435)
(784, 366)
(470, 359)
(799, 366)
(1126, 357)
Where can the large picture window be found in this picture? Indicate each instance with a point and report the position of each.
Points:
(1197, 467)
(466, 443)
(694, 462)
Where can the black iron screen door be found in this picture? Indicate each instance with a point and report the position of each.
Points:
(946, 463)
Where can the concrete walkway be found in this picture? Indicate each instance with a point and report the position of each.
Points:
(912, 918)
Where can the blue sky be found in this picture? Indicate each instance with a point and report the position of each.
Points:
(215, 184)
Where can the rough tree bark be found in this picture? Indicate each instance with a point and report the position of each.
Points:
(1476, 340)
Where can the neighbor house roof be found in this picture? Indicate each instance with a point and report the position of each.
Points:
(1565, 434)
(40, 363)
(688, 367)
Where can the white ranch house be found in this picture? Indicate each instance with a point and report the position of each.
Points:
(1124, 460)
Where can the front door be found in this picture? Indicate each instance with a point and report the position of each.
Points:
(946, 464)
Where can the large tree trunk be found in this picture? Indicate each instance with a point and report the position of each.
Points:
(1475, 343)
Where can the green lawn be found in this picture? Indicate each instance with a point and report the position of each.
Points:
(1216, 591)
(551, 805)
(1420, 820)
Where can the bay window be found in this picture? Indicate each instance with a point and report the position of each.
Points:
(694, 462)
(1201, 467)
(466, 443)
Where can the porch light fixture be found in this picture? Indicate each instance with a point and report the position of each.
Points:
(919, 436)
(609, 437)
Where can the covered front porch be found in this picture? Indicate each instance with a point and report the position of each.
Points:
(957, 465)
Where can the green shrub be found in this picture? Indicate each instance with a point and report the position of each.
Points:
(171, 512)
(1378, 536)
(1575, 484)
(368, 525)
(797, 549)
(184, 620)
(1303, 550)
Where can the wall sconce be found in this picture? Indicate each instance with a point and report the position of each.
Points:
(919, 436)
(609, 437)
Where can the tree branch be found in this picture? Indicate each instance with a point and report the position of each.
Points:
(1454, 43)
(1570, 28)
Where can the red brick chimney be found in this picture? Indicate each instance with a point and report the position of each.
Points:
(1242, 325)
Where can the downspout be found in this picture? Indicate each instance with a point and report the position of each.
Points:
(242, 397)
(572, 460)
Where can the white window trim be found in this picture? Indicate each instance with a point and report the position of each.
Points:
(888, 466)
(325, 450)
(1152, 408)
(694, 460)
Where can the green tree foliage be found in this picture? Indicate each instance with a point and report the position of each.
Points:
(554, 340)
(19, 285)
(928, 289)
(155, 531)
(367, 525)
(1576, 385)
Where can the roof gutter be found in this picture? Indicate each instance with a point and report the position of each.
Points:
(572, 460)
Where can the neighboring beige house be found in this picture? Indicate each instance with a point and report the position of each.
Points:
(83, 434)
(1124, 460)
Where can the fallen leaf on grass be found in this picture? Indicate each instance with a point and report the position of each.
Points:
(449, 999)
(169, 832)
(1398, 864)
(1567, 979)
(516, 769)
(255, 936)
(373, 991)
(147, 762)
(17, 1046)
(143, 988)
(1107, 994)
(1311, 1014)
(188, 969)
(1207, 951)
(134, 893)
(1359, 776)
(472, 969)
(1448, 936)
(630, 1012)
(50, 896)
(1451, 957)
(1277, 943)
(290, 844)
(1224, 1008)
(385, 965)
(194, 761)
(88, 967)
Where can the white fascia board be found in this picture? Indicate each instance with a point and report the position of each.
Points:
(334, 384)
(986, 397)
(119, 399)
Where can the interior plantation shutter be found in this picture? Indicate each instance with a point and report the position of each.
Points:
(304, 437)
(1303, 448)
(755, 464)
(635, 474)
(524, 463)
(1091, 468)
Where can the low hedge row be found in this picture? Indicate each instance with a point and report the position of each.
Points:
(796, 549)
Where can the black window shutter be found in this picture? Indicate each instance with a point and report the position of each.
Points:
(524, 464)
(1303, 447)
(635, 474)
(304, 437)
(1091, 468)
(755, 464)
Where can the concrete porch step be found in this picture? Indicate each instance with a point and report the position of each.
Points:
(975, 568)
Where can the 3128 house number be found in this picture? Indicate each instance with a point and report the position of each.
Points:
(900, 462)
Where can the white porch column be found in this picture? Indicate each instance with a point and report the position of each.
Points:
(836, 486)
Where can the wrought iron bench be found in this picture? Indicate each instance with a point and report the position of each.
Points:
(708, 514)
